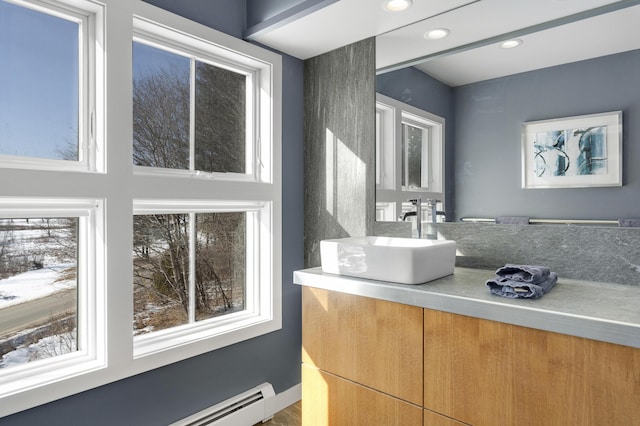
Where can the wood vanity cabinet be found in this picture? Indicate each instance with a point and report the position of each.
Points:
(368, 361)
(361, 356)
(488, 373)
(332, 400)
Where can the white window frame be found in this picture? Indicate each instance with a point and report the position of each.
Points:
(119, 188)
(258, 132)
(258, 308)
(90, 314)
(391, 197)
(88, 16)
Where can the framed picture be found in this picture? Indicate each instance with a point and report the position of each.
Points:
(573, 152)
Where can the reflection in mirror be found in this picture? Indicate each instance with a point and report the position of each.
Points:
(409, 154)
(415, 155)
(485, 94)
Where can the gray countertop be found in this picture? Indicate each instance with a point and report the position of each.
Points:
(599, 311)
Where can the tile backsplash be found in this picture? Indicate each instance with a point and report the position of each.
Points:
(604, 254)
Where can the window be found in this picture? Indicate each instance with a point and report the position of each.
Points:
(410, 158)
(189, 114)
(198, 268)
(415, 154)
(177, 282)
(49, 290)
(199, 109)
(199, 112)
(39, 258)
(45, 122)
(151, 210)
(51, 236)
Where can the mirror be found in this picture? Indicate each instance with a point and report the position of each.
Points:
(578, 58)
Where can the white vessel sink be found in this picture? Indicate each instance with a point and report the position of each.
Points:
(399, 260)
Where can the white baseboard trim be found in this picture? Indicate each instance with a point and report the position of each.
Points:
(288, 397)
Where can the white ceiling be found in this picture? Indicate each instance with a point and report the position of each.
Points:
(470, 53)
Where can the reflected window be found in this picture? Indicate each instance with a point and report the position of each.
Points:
(409, 158)
(415, 156)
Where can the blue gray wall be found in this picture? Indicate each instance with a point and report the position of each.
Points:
(488, 118)
(164, 395)
(228, 16)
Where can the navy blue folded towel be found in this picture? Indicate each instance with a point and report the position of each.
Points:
(512, 220)
(522, 281)
(629, 223)
(525, 273)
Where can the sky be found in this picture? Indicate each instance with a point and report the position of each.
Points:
(39, 75)
(38, 82)
(148, 60)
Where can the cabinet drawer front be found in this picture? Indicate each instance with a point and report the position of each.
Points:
(331, 400)
(486, 373)
(435, 419)
(372, 342)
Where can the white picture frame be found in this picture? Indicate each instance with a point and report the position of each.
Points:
(573, 152)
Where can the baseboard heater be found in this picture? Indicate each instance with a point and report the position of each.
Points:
(246, 409)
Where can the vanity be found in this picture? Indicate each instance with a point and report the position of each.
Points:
(448, 352)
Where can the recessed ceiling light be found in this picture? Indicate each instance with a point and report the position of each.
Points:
(397, 5)
(510, 44)
(437, 33)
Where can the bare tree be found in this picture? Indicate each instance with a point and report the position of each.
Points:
(220, 260)
(162, 259)
(20, 253)
(161, 119)
(163, 245)
(161, 139)
(6, 238)
(220, 133)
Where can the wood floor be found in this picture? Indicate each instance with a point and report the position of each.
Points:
(290, 416)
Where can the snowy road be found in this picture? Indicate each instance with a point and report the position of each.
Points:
(15, 318)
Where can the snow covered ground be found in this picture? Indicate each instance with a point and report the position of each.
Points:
(45, 348)
(29, 286)
(32, 285)
(43, 241)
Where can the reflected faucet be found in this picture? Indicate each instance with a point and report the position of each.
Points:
(432, 230)
(417, 213)
(432, 204)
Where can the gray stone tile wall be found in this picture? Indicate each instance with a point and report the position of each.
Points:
(593, 253)
(339, 146)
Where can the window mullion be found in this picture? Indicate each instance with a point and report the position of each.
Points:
(192, 268)
(192, 115)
